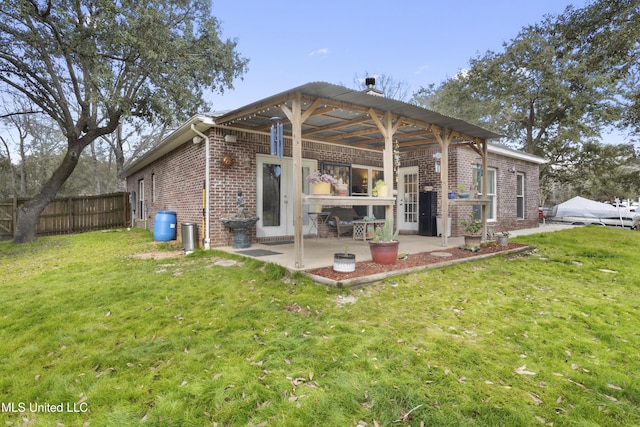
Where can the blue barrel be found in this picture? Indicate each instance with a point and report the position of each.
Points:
(164, 226)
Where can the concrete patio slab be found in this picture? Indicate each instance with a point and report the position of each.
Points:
(318, 252)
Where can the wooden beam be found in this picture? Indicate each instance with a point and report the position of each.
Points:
(387, 158)
(443, 140)
(295, 115)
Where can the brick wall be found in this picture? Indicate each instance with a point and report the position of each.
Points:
(180, 177)
(461, 159)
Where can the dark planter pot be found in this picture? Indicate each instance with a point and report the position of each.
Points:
(344, 263)
(472, 240)
(451, 195)
(384, 252)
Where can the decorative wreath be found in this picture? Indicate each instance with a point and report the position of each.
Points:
(227, 161)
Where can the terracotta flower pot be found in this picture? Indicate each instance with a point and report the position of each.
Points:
(384, 252)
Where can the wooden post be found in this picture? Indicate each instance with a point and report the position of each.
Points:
(387, 129)
(70, 214)
(295, 117)
(15, 216)
(443, 141)
(387, 160)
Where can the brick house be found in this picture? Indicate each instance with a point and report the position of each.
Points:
(355, 135)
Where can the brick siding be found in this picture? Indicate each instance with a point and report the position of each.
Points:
(180, 178)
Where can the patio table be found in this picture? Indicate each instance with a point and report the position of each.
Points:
(361, 228)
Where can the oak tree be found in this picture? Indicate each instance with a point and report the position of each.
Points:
(90, 64)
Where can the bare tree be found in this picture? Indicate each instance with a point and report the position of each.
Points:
(390, 87)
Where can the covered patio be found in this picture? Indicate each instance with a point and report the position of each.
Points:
(337, 115)
(319, 251)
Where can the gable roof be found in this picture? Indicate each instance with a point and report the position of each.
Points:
(344, 116)
(336, 115)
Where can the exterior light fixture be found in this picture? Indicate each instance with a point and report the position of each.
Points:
(436, 157)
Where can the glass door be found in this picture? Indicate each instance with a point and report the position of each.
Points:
(408, 198)
(275, 196)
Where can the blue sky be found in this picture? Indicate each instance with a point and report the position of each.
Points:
(419, 42)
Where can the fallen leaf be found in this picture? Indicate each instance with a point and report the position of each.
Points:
(615, 387)
(297, 381)
(522, 370)
(536, 398)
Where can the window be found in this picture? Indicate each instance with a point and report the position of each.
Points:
(363, 179)
(141, 205)
(520, 196)
(153, 188)
(491, 195)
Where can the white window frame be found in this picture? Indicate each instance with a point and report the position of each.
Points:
(492, 209)
(153, 188)
(520, 199)
(141, 206)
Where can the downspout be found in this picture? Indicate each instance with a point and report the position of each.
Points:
(207, 192)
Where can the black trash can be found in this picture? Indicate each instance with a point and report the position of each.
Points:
(189, 240)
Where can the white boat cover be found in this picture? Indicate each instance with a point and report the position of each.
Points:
(585, 208)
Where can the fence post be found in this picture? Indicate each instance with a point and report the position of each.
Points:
(14, 221)
(70, 210)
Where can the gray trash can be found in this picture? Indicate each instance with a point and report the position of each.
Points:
(188, 231)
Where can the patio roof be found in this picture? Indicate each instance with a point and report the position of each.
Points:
(339, 115)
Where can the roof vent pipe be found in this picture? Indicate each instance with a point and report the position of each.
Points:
(370, 82)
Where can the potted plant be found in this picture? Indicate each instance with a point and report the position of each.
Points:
(472, 235)
(384, 245)
(463, 193)
(380, 189)
(451, 194)
(342, 189)
(344, 262)
(503, 238)
(321, 182)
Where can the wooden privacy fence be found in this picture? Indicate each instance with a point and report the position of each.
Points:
(71, 215)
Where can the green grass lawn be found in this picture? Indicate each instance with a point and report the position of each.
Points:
(549, 337)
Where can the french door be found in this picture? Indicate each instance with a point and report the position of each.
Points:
(408, 198)
(275, 195)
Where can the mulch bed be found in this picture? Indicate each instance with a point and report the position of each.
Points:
(368, 268)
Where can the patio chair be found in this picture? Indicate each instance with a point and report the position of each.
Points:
(342, 220)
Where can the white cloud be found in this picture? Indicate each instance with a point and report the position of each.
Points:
(422, 69)
(324, 51)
